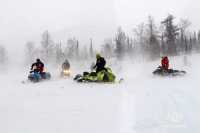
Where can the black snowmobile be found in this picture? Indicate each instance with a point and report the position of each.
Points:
(169, 72)
(37, 77)
(65, 72)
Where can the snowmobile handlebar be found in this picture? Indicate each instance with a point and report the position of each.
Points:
(31, 71)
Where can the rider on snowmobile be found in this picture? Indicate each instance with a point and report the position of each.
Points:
(37, 72)
(100, 63)
(164, 70)
(38, 66)
(66, 65)
(165, 63)
(102, 74)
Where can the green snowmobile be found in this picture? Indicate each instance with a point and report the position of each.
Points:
(102, 76)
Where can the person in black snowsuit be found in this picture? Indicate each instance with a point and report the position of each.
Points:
(66, 65)
(100, 63)
(38, 67)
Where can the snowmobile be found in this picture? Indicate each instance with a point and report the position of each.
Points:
(102, 76)
(169, 72)
(37, 77)
(65, 73)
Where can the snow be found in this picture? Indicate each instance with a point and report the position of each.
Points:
(142, 103)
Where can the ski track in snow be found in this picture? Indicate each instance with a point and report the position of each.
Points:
(142, 103)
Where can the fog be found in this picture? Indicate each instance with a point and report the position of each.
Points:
(131, 12)
(142, 103)
(26, 20)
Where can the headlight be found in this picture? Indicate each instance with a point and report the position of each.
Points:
(66, 71)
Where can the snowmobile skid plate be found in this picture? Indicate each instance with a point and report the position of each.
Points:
(170, 72)
(36, 77)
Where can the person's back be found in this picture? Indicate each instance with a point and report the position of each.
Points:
(66, 65)
(165, 63)
(38, 66)
(100, 63)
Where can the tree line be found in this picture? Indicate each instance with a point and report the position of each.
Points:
(149, 40)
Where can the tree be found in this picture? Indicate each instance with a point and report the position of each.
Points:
(183, 26)
(3, 55)
(130, 48)
(59, 54)
(163, 49)
(140, 39)
(70, 50)
(107, 48)
(47, 46)
(195, 42)
(30, 52)
(190, 45)
(120, 40)
(154, 47)
(91, 49)
(171, 31)
(77, 50)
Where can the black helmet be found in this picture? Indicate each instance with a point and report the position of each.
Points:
(37, 60)
(66, 60)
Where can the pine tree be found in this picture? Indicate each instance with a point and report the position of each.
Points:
(154, 47)
(171, 31)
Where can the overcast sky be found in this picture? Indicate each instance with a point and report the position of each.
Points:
(24, 20)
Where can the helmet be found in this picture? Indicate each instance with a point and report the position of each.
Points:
(98, 55)
(66, 60)
(37, 60)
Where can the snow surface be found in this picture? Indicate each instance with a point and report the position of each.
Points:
(143, 103)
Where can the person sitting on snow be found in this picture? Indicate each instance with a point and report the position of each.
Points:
(66, 65)
(38, 66)
(165, 63)
(100, 63)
